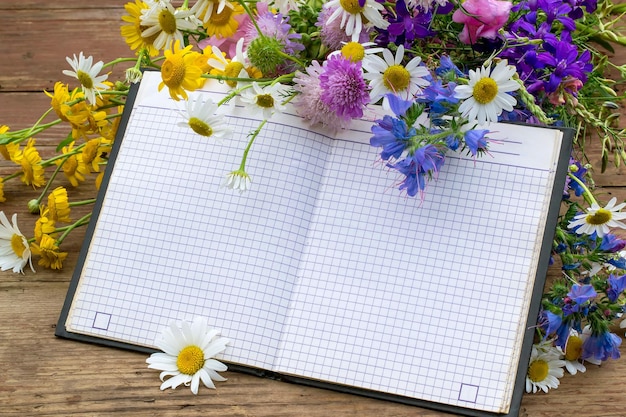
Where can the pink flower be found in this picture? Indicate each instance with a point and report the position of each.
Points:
(482, 18)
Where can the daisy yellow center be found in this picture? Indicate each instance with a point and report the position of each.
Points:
(396, 78)
(221, 19)
(17, 244)
(485, 90)
(233, 69)
(190, 360)
(167, 22)
(173, 71)
(200, 127)
(353, 51)
(85, 79)
(601, 216)
(351, 6)
(574, 348)
(265, 101)
(538, 370)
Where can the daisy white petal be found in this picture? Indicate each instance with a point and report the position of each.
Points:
(193, 360)
(15, 251)
(486, 94)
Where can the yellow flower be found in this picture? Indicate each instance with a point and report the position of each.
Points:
(179, 73)
(48, 250)
(99, 180)
(59, 99)
(58, 205)
(73, 166)
(29, 159)
(10, 150)
(44, 225)
(223, 24)
(2, 197)
(132, 31)
(92, 153)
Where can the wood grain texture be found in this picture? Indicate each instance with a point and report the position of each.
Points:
(46, 376)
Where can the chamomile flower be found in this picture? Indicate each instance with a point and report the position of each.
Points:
(14, 248)
(187, 357)
(166, 23)
(201, 117)
(598, 219)
(485, 96)
(203, 9)
(573, 352)
(354, 16)
(390, 75)
(232, 68)
(544, 370)
(87, 74)
(265, 100)
(237, 180)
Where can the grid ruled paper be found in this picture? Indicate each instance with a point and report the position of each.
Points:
(322, 269)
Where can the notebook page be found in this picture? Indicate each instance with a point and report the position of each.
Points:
(171, 244)
(423, 300)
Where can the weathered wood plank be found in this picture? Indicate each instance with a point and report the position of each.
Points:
(35, 43)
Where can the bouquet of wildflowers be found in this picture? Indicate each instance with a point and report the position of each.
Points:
(442, 71)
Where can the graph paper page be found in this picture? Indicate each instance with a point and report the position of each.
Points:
(423, 300)
(172, 244)
(322, 269)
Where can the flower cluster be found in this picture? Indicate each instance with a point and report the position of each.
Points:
(439, 73)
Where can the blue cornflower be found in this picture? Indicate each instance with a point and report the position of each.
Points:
(577, 297)
(549, 322)
(617, 285)
(414, 180)
(476, 140)
(392, 135)
(601, 346)
(426, 160)
(612, 243)
(446, 66)
(438, 98)
(398, 105)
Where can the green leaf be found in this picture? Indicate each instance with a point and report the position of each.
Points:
(69, 139)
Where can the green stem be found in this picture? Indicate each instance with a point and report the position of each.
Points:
(256, 132)
(68, 229)
(588, 196)
(82, 203)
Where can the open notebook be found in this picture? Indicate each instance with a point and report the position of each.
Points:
(323, 273)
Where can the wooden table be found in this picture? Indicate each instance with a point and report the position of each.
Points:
(44, 375)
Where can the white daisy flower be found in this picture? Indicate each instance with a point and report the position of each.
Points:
(187, 357)
(353, 16)
(265, 100)
(167, 23)
(203, 9)
(14, 248)
(573, 352)
(201, 117)
(486, 94)
(87, 75)
(237, 180)
(355, 51)
(237, 67)
(544, 370)
(389, 75)
(599, 219)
